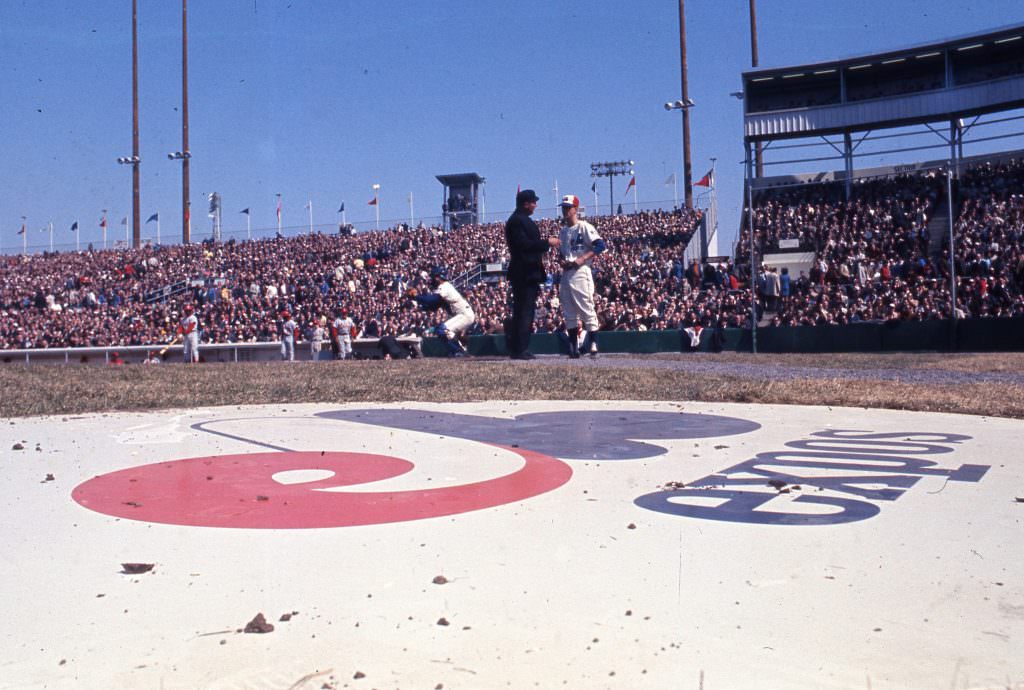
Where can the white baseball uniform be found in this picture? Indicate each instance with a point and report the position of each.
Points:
(461, 315)
(577, 285)
(288, 340)
(316, 343)
(345, 327)
(190, 338)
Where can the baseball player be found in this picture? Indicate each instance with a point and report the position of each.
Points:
(460, 314)
(580, 243)
(288, 328)
(317, 341)
(188, 329)
(342, 330)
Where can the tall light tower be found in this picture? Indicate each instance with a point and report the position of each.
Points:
(758, 151)
(136, 220)
(184, 155)
(687, 168)
(611, 170)
(684, 106)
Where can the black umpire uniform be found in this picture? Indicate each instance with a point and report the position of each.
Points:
(525, 273)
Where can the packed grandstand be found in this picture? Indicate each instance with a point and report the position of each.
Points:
(874, 259)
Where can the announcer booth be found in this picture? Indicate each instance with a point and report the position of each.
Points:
(463, 199)
(944, 94)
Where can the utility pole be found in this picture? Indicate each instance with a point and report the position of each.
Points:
(687, 168)
(137, 221)
(186, 222)
(758, 159)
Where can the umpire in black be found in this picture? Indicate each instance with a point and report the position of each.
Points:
(525, 271)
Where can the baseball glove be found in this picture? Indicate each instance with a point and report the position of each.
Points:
(411, 292)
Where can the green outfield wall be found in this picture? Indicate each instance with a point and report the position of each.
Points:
(968, 335)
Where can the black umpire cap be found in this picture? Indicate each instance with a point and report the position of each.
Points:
(525, 196)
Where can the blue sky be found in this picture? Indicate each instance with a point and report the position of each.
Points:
(321, 99)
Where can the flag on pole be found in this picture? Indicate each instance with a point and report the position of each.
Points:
(593, 188)
(245, 211)
(103, 222)
(22, 231)
(342, 209)
(706, 181)
(279, 209)
(372, 202)
(74, 226)
(155, 216)
(671, 180)
(632, 183)
(308, 204)
(124, 221)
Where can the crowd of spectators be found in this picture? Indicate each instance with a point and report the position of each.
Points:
(873, 254)
(873, 261)
(112, 298)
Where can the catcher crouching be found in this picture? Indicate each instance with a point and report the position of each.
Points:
(460, 314)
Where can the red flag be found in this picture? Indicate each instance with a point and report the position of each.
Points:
(372, 202)
(103, 222)
(705, 181)
(632, 183)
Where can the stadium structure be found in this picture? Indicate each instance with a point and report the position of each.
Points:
(947, 91)
(936, 87)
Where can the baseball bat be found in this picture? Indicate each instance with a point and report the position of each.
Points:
(168, 346)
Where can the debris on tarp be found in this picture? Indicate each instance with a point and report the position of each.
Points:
(259, 624)
(136, 568)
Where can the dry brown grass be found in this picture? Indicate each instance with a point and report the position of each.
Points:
(966, 361)
(43, 390)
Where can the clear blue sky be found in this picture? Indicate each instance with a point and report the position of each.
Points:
(320, 99)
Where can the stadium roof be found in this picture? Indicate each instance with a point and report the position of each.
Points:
(953, 42)
(460, 178)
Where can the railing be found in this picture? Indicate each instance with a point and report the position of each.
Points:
(166, 291)
(479, 272)
(212, 352)
(468, 278)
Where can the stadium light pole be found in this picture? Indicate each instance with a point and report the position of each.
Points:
(754, 61)
(611, 170)
(684, 106)
(376, 205)
(687, 171)
(134, 161)
(136, 220)
(186, 220)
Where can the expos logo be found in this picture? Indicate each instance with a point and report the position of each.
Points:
(245, 490)
(850, 472)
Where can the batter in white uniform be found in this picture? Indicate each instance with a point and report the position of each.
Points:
(580, 243)
(188, 328)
